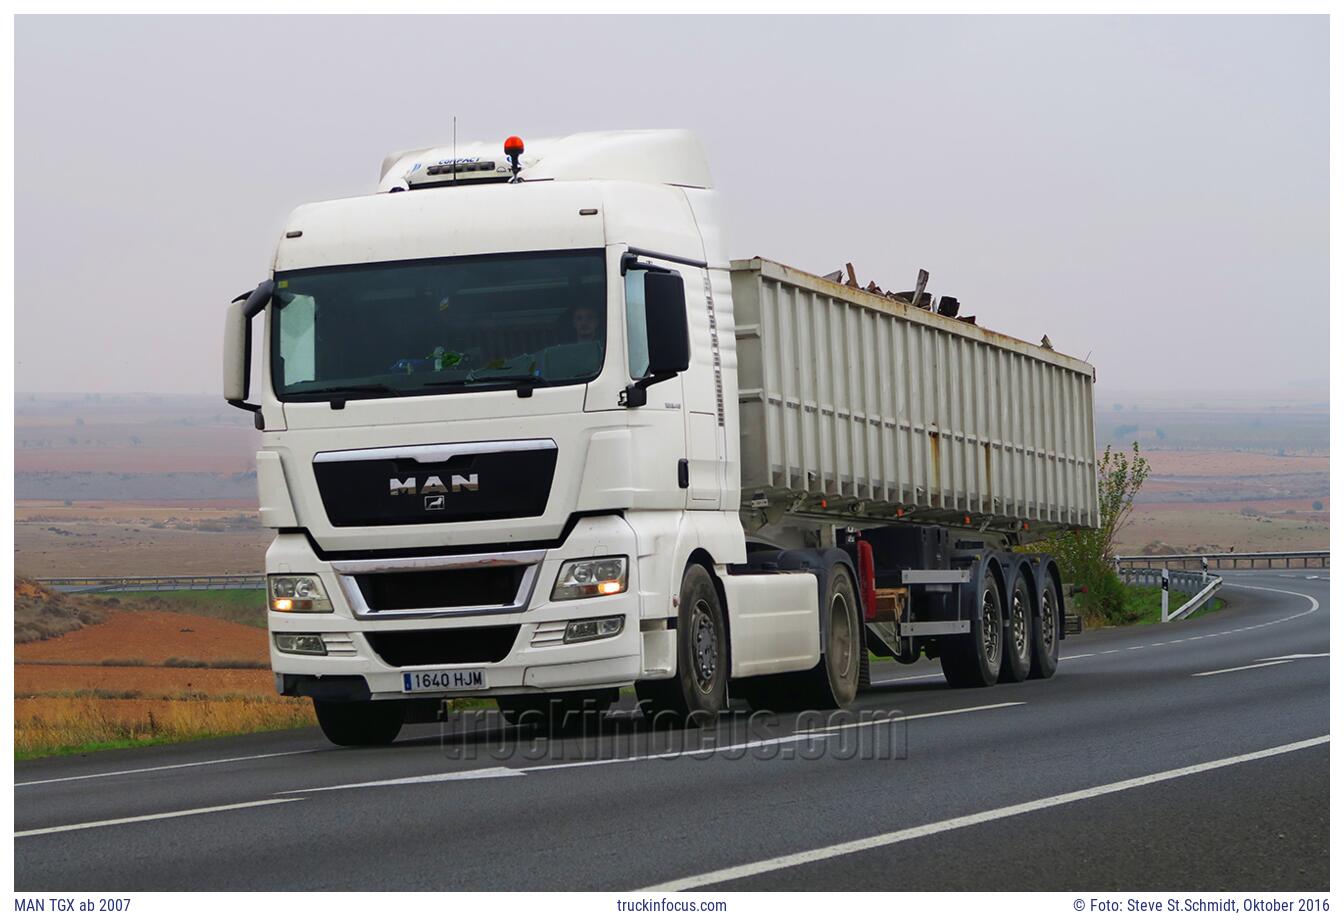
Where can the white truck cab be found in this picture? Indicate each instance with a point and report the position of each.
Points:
(500, 410)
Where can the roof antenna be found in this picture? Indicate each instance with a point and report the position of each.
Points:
(454, 150)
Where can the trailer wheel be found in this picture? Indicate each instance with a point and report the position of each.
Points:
(1018, 636)
(975, 660)
(700, 689)
(363, 724)
(559, 714)
(834, 682)
(1045, 631)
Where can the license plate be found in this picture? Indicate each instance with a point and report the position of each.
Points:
(444, 681)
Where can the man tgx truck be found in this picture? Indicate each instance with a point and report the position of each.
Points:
(528, 433)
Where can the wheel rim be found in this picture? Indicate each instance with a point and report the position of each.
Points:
(842, 637)
(990, 626)
(1048, 621)
(705, 642)
(1019, 622)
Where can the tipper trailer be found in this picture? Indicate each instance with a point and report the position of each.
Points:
(528, 433)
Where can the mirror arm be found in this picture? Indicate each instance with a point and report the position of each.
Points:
(637, 394)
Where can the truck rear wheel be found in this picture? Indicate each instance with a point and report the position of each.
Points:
(1019, 621)
(364, 724)
(1046, 629)
(558, 714)
(834, 682)
(700, 689)
(974, 660)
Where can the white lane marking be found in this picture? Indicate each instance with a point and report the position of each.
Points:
(483, 773)
(171, 766)
(983, 817)
(1073, 657)
(159, 817)
(1265, 663)
(1244, 667)
(497, 772)
(1134, 648)
(901, 680)
(1315, 604)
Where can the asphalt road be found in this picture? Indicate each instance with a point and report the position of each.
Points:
(1189, 756)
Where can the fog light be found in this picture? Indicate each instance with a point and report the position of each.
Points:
(585, 630)
(300, 643)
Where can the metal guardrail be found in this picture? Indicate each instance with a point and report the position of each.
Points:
(1311, 558)
(1198, 585)
(115, 584)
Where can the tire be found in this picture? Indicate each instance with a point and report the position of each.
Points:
(367, 724)
(563, 713)
(1047, 629)
(976, 659)
(699, 692)
(1018, 630)
(834, 682)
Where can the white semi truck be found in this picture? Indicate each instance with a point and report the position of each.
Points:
(528, 433)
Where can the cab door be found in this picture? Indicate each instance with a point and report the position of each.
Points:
(699, 463)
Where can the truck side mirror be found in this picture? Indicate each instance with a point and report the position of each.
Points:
(665, 321)
(665, 331)
(238, 345)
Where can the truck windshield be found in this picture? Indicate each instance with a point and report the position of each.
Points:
(414, 328)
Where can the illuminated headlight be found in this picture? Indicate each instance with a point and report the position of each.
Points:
(300, 643)
(297, 594)
(583, 630)
(589, 578)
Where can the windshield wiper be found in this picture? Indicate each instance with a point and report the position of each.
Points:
(503, 378)
(347, 388)
(526, 382)
(340, 394)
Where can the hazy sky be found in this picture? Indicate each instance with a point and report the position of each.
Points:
(1150, 191)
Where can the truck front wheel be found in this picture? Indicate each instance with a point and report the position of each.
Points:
(700, 689)
(366, 724)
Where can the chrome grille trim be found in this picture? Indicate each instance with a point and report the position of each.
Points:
(346, 570)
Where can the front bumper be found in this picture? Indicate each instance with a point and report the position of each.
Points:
(537, 660)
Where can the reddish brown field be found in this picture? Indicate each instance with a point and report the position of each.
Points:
(31, 679)
(152, 637)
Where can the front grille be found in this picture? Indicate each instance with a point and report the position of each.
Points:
(482, 486)
(491, 586)
(470, 645)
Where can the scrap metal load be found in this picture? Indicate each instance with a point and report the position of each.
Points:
(867, 409)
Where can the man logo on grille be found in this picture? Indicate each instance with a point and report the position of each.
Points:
(433, 502)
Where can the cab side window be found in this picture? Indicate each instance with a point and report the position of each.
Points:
(638, 336)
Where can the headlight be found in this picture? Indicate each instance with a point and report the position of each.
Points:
(589, 578)
(297, 593)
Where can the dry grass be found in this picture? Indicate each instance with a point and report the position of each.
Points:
(53, 725)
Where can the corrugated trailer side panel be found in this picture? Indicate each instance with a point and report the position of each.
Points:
(876, 407)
